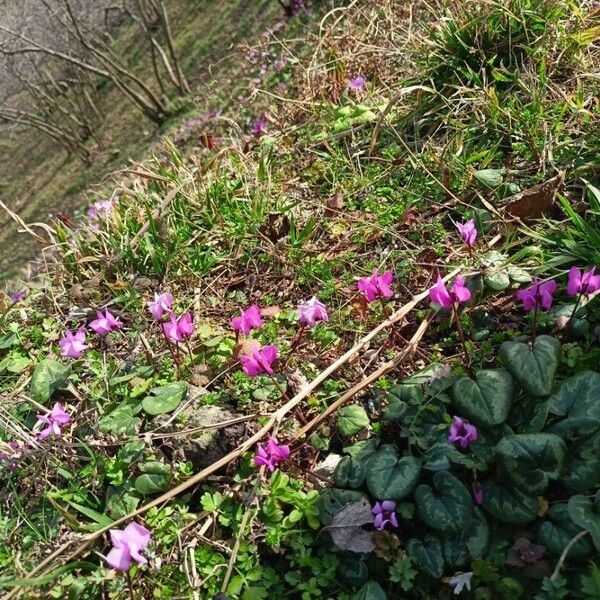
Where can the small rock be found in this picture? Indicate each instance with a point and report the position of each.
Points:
(203, 448)
(327, 466)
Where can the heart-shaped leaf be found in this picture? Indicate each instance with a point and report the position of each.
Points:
(165, 399)
(350, 473)
(531, 460)
(427, 556)
(585, 512)
(582, 437)
(532, 367)
(559, 530)
(451, 509)
(371, 591)
(399, 398)
(497, 280)
(486, 400)
(390, 477)
(529, 415)
(121, 420)
(48, 377)
(508, 505)
(352, 420)
(578, 396)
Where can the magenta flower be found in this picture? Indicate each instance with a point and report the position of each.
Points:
(478, 495)
(586, 283)
(54, 420)
(376, 286)
(458, 293)
(98, 209)
(18, 296)
(105, 322)
(271, 454)
(357, 83)
(261, 361)
(249, 320)
(176, 330)
(538, 295)
(462, 433)
(73, 344)
(385, 513)
(468, 232)
(312, 311)
(258, 127)
(162, 304)
(127, 545)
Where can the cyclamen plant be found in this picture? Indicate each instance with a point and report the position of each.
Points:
(270, 454)
(128, 545)
(73, 345)
(468, 233)
(54, 421)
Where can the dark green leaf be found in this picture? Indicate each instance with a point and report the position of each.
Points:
(48, 377)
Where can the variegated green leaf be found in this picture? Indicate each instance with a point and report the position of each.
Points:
(558, 530)
(508, 505)
(390, 477)
(427, 556)
(578, 396)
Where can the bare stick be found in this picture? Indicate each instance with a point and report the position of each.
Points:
(565, 552)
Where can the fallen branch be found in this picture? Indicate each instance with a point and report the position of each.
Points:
(274, 421)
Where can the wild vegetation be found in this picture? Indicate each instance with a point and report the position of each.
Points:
(347, 349)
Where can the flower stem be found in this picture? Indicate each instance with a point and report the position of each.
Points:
(534, 326)
(461, 334)
(295, 343)
(572, 317)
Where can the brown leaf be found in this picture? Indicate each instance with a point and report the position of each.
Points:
(387, 544)
(536, 200)
(334, 204)
(409, 216)
(345, 527)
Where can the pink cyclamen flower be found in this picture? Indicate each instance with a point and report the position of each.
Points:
(312, 311)
(98, 209)
(127, 546)
(468, 232)
(538, 295)
(261, 361)
(582, 283)
(73, 344)
(162, 304)
(384, 513)
(478, 495)
(376, 286)
(176, 330)
(54, 420)
(249, 320)
(105, 322)
(270, 454)
(458, 293)
(357, 83)
(258, 128)
(462, 433)
(18, 296)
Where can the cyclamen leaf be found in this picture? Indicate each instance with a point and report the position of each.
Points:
(578, 396)
(349, 473)
(390, 477)
(451, 509)
(352, 420)
(332, 500)
(508, 505)
(558, 530)
(532, 367)
(48, 377)
(165, 399)
(487, 399)
(427, 556)
(371, 591)
(586, 513)
(531, 460)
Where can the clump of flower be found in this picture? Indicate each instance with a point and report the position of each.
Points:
(13, 454)
(176, 330)
(105, 323)
(260, 361)
(357, 83)
(457, 295)
(161, 305)
(583, 283)
(376, 286)
(384, 514)
(99, 209)
(128, 545)
(270, 454)
(311, 312)
(73, 345)
(462, 433)
(54, 421)
(468, 232)
(537, 295)
(18, 296)
(247, 321)
(258, 127)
